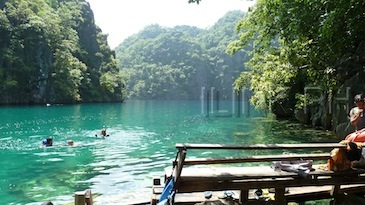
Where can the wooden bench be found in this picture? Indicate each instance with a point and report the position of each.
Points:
(194, 175)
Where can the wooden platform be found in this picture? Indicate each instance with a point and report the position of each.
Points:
(295, 194)
(195, 176)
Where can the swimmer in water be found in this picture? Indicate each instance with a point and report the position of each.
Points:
(103, 133)
(48, 142)
(70, 142)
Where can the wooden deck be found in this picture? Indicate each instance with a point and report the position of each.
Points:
(194, 176)
(295, 194)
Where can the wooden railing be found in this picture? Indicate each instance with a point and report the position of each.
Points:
(190, 178)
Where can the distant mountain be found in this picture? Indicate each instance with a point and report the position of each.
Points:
(181, 62)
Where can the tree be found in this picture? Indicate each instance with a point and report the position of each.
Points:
(52, 52)
(308, 41)
(176, 63)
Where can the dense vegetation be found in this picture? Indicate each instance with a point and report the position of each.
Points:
(301, 44)
(176, 63)
(52, 52)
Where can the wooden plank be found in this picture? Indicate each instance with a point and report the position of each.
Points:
(295, 194)
(231, 173)
(261, 146)
(262, 158)
(157, 189)
(319, 192)
(193, 186)
(257, 172)
(298, 194)
(352, 188)
(196, 197)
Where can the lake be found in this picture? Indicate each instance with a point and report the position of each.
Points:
(141, 143)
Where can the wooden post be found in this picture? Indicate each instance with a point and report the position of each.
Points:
(153, 200)
(335, 190)
(280, 196)
(80, 198)
(179, 166)
(244, 196)
(83, 197)
(88, 197)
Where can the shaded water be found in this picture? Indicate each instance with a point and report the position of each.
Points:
(120, 167)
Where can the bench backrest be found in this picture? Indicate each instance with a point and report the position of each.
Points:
(325, 147)
(183, 148)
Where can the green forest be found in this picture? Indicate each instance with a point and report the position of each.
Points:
(278, 49)
(51, 51)
(300, 44)
(180, 62)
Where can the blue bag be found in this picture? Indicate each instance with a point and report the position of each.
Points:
(168, 191)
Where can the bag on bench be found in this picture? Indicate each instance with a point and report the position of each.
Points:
(168, 192)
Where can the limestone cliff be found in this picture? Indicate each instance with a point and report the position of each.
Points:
(52, 52)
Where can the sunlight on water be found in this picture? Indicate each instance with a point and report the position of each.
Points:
(119, 168)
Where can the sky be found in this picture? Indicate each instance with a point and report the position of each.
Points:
(123, 18)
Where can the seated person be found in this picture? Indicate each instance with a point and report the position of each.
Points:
(357, 119)
(356, 114)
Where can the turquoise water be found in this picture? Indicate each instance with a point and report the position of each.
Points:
(120, 167)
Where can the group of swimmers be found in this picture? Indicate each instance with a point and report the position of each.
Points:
(48, 142)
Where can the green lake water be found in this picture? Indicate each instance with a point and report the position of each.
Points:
(120, 168)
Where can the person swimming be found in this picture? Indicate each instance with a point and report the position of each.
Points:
(48, 142)
(70, 143)
(103, 133)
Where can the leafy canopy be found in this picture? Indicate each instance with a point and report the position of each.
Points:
(298, 40)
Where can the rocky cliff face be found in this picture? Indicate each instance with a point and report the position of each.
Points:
(48, 57)
(332, 114)
(42, 92)
(87, 33)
